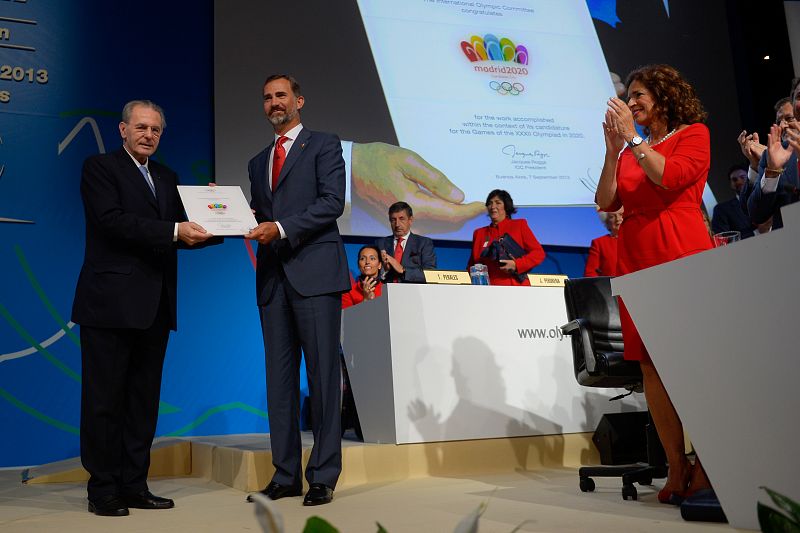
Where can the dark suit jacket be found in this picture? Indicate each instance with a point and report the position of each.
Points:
(761, 206)
(418, 255)
(728, 216)
(129, 254)
(307, 200)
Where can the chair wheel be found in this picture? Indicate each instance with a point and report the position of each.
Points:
(586, 484)
(646, 481)
(629, 492)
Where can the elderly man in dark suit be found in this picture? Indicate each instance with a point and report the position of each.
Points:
(125, 303)
(297, 193)
(404, 254)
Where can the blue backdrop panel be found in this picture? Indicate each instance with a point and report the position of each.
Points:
(97, 58)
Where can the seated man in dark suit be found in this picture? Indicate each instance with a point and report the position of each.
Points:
(778, 183)
(728, 215)
(405, 255)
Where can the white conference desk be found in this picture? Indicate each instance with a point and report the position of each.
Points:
(434, 363)
(721, 327)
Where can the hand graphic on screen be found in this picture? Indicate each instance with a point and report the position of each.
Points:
(384, 174)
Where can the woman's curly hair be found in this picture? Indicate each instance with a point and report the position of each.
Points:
(675, 101)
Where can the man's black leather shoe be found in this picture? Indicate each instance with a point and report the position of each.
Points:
(276, 491)
(318, 494)
(110, 505)
(147, 500)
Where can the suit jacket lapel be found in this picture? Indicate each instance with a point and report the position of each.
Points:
(265, 184)
(161, 192)
(294, 154)
(133, 174)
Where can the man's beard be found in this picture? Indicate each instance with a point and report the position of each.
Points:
(278, 120)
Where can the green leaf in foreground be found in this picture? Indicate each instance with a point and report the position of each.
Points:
(787, 504)
(316, 524)
(772, 521)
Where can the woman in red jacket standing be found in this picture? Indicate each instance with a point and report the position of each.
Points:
(500, 207)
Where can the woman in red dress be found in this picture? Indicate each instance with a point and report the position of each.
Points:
(659, 181)
(602, 260)
(500, 207)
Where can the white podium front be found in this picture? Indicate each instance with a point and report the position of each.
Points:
(434, 363)
(721, 327)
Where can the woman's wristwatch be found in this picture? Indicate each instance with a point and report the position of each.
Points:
(633, 143)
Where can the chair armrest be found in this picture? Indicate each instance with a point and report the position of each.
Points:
(582, 326)
(569, 327)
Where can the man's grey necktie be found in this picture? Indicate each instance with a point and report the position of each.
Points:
(148, 179)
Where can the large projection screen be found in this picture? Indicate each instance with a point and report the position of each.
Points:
(441, 101)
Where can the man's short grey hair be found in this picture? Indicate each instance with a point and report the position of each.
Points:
(128, 109)
(603, 216)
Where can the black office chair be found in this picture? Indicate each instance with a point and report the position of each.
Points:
(597, 346)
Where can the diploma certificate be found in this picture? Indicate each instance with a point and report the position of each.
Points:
(222, 210)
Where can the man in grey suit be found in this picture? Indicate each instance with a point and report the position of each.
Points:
(405, 255)
(297, 192)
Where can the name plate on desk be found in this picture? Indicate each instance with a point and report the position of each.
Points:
(447, 277)
(546, 280)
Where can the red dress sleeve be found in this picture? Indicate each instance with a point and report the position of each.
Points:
(535, 253)
(691, 156)
(353, 296)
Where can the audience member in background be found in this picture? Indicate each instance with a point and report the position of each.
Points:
(749, 143)
(510, 271)
(778, 183)
(602, 259)
(366, 287)
(753, 150)
(659, 181)
(728, 215)
(404, 254)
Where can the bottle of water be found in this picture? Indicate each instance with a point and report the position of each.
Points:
(479, 274)
(484, 275)
(475, 274)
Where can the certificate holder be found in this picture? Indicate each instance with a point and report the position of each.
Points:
(221, 210)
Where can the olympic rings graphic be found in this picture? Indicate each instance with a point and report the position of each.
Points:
(506, 87)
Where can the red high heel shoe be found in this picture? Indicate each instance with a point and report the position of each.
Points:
(672, 498)
(676, 497)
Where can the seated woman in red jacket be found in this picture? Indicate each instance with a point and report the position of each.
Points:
(602, 259)
(367, 286)
(500, 207)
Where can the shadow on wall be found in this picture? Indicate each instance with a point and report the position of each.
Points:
(481, 409)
